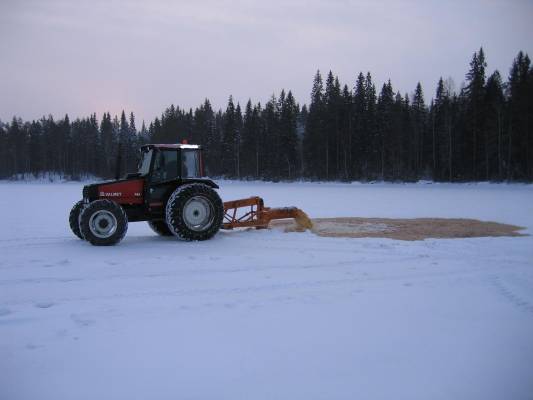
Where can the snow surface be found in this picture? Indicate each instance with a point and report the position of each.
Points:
(266, 314)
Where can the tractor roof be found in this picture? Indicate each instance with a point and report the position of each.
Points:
(170, 146)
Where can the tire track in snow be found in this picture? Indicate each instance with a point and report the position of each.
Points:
(240, 290)
(504, 287)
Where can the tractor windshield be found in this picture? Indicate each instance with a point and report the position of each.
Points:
(144, 165)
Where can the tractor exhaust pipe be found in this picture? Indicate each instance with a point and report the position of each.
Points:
(119, 161)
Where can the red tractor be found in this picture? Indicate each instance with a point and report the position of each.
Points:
(172, 194)
(169, 191)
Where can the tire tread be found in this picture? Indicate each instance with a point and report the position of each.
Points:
(174, 208)
(120, 215)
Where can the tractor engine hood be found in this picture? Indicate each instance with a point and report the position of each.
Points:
(113, 188)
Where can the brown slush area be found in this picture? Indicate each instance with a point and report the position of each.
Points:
(401, 229)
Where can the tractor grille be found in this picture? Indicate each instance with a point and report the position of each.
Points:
(90, 192)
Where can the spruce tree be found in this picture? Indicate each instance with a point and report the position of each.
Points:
(495, 103)
(360, 141)
(229, 140)
(288, 137)
(385, 129)
(345, 136)
(313, 143)
(475, 94)
(519, 138)
(418, 118)
(371, 127)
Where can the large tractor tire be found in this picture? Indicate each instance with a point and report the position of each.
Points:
(74, 218)
(103, 223)
(194, 212)
(160, 227)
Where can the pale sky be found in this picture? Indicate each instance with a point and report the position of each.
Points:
(79, 57)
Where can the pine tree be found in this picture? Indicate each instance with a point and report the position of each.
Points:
(495, 103)
(441, 161)
(213, 140)
(249, 133)
(519, 138)
(346, 131)
(4, 151)
(107, 143)
(371, 128)
(332, 98)
(385, 125)
(270, 138)
(123, 143)
(288, 137)
(35, 148)
(360, 140)
(237, 143)
(418, 118)
(475, 94)
(313, 137)
(229, 141)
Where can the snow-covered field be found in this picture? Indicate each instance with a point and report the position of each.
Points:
(267, 314)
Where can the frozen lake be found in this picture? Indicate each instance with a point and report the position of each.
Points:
(267, 314)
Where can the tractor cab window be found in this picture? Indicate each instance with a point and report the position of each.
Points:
(165, 166)
(190, 164)
(144, 165)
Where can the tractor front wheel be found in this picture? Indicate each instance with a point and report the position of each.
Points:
(194, 212)
(103, 223)
(74, 218)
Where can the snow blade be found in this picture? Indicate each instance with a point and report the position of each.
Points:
(251, 212)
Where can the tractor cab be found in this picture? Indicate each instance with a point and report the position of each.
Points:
(167, 162)
(168, 190)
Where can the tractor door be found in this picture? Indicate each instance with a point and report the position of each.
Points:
(191, 164)
(162, 179)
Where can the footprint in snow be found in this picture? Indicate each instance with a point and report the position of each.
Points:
(81, 321)
(4, 311)
(44, 304)
(32, 346)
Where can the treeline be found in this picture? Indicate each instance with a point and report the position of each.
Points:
(480, 132)
(76, 149)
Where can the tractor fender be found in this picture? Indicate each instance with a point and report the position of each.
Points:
(207, 182)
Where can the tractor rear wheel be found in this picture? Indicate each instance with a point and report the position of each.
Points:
(103, 223)
(74, 218)
(194, 212)
(160, 227)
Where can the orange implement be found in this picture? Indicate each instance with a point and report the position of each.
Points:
(251, 212)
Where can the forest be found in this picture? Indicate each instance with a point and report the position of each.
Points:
(478, 132)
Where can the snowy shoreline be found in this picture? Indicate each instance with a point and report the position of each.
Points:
(54, 179)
